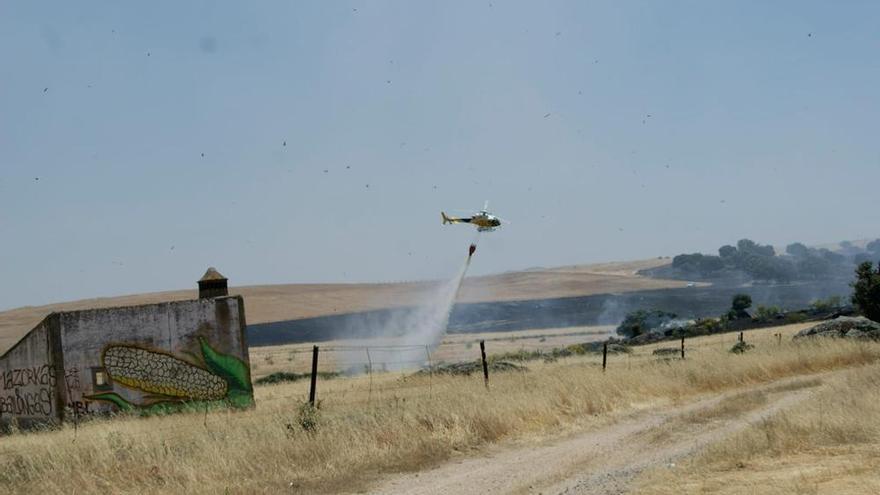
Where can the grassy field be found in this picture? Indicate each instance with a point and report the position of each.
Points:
(367, 426)
(297, 358)
(829, 444)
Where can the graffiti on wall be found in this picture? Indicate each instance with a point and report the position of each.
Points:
(27, 391)
(169, 382)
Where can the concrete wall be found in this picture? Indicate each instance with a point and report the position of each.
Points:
(136, 358)
(28, 393)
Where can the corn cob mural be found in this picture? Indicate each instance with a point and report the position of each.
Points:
(161, 373)
(170, 380)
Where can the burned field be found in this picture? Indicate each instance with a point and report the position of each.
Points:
(505, 316)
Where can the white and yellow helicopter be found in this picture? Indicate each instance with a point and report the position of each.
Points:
(483, 220)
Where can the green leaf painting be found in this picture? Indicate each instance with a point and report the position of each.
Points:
(231, 370)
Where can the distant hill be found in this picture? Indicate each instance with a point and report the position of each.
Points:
(272, 303)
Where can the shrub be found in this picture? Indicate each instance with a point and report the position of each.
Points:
(308, 416)
(709, 325)
(828, 304)
(642, 321)
(284, 376)
(866, 290)
(764, 314)
(795, 317)
(741, 347)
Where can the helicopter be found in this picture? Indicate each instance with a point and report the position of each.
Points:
(483, 220)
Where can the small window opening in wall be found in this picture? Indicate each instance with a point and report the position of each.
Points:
(101, 380)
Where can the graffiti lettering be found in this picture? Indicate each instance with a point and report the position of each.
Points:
(79, 408)
(71, 378)
(23, 377)
(20, 403)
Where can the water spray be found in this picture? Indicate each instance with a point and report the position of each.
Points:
(425, 325)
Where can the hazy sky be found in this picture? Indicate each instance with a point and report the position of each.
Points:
(603, 131)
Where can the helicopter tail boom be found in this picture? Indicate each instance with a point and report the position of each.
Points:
(448, 219)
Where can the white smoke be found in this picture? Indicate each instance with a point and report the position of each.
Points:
(407, 338)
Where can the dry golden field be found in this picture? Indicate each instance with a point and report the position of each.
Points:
(829, 444)
(453, 348)
(268, 303)
(374, 433)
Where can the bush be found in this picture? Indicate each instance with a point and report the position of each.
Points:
(709, 325)
(866, 290)
(741, 347)
(828, 304)
(642, 321)
(766, 313)
(308, 416)
(667, 351)
(284, 376)
(795, 317)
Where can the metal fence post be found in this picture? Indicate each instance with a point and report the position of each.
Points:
(314, 375)
(485, 365)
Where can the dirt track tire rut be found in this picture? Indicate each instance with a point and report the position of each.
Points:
(605, 461)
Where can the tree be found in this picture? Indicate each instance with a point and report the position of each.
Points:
(748, 246)
(831, 256)
(741, 302)
(727, 251)
(698, 263)
(874, 246)
(739, 305)
(866, 290)
(797, 250)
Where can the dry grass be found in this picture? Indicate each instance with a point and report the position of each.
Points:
(827, 444)
(454, 348)
(397, 423)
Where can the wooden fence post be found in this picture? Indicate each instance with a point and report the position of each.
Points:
(430, 370)
(740, 336)
(314, 376)
(370, 371)
(604, 354)
(485, 365)
(682, 347)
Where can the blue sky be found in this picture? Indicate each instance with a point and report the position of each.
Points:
(603, 131)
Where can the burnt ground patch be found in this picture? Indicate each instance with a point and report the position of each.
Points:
(599, 309)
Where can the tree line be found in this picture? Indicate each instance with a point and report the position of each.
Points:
(761, 262)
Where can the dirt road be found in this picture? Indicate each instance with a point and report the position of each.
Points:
(607, 460)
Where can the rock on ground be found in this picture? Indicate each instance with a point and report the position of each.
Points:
(848, 327)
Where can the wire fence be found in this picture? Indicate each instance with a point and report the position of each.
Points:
(386, 374)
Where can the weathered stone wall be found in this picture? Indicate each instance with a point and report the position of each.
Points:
(141, 359)
(149, 355)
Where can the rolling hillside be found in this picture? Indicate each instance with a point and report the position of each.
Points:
(271, 303)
